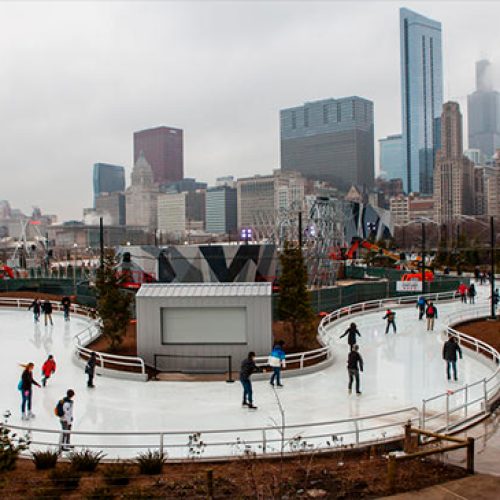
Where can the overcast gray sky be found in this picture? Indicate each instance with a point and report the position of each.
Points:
(78, 78)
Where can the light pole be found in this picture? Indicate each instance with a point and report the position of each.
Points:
(423, 258)
(492, 280)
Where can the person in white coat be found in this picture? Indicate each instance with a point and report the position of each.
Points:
(66, 419)
(277, 362)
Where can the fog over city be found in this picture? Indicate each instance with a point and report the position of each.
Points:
(78, 78)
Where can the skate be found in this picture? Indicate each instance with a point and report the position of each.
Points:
(244, 404)
(349, 391)
(24, 417)
(281, 385)
(31, 414)
(251, 406)
(358, 394)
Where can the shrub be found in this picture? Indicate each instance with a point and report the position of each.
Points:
(151, 462)
(117, 474)
(65, 478)
(86, 460)
(141, 494)
(10, 446)
(47, 493)
(99, 493)
(44, 460)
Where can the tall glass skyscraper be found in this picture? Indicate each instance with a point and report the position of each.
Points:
(484, 114)
(422, 96)
(392, 157)
(108, 179)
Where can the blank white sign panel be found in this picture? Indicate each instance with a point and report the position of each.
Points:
(204, 325)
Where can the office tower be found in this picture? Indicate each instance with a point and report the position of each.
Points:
(163, 149)
(111, 206)
(484, 113)
(391, 156)
(108, 179)
(492, 185)
(454, 172)
(330, 140)
(221, 210)
(261, 198)
(141, 197)
(179, 213)
(422, 98)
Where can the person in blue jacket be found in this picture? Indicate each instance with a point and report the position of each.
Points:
(277, 362)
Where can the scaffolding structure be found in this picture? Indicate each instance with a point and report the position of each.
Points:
(323, 228)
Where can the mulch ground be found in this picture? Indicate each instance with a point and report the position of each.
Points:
(340, 476)
(487, 331)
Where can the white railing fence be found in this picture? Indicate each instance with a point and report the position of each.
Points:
(472, 400)
(85, 337)
(441, 412)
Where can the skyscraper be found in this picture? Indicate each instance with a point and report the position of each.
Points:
(484, 113)
(454, 172)
(221, 210)
(163, 149)
(392, 163)
(330, 140)
(422, 97)
(108, 179)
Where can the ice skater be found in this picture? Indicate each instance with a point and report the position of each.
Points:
(248, 367)
(47, 311)
(422, 302)
(390, 316)
(26, 388)
(462, 290)
(48, 369)
(495, 298)
(277, 361)
(354, 366)
(450, 351)
(472, 294)
(431, 313)
(90, 369)
(66, 303)
(36, 305)
(352, 332)
(64, 410)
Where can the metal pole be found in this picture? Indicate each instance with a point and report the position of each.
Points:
(423, 257)
(101, 242)
(300, 229)
(492, 280)
(230, 379)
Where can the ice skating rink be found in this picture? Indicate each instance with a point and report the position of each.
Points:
(400, 370)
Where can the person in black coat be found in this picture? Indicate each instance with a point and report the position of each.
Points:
(354, 366)
(26, 388)
(90, 369)
(36, 306)
(450, 351)
(47, 311)
(248, 367)
(352, 332)
(66, 303)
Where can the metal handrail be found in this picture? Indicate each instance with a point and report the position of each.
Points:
(356, 422)
(84, 337)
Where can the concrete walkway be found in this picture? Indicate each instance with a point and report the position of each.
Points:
(478, 487)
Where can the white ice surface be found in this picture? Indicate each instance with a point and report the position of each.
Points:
(400, 370)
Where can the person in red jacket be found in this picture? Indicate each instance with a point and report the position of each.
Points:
(462, 290)
(48, 368)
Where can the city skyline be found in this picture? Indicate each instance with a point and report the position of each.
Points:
(111, 69)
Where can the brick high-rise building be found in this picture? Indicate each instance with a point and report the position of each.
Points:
(453, 172)
(163, 149)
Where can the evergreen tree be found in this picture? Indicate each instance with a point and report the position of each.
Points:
(294, 302)
(114, 302)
